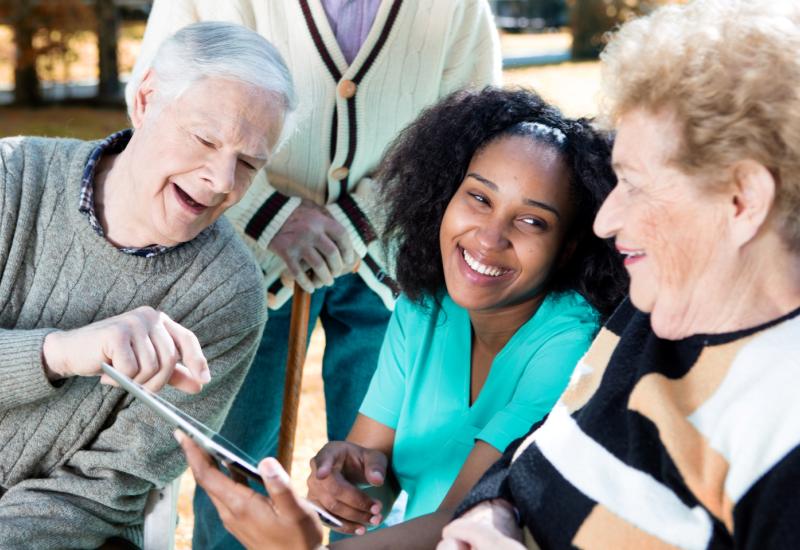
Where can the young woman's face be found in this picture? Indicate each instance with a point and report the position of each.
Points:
(504, 229)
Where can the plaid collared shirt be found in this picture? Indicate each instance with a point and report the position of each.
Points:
(112, 145)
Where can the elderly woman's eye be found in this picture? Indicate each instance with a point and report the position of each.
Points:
(247, 165)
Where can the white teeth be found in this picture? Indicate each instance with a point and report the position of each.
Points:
(481, 268)
(632, 254)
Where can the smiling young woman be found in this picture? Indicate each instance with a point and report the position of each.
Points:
(490, 199)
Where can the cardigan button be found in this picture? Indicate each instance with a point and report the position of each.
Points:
(346, 89)
(340, 173)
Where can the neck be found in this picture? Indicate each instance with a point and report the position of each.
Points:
(113, 200)
(493, 329)
(764, 287)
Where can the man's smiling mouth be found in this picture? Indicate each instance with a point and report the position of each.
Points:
(188, 201)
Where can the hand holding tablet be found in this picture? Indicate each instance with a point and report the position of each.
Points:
(223, 452)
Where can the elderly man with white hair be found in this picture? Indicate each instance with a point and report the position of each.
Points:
(114, 251)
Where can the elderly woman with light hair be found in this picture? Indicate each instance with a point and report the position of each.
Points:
(681, 425)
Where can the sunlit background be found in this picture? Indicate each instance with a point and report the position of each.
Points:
(70, 60)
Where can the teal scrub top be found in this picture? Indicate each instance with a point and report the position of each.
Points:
(421, 387)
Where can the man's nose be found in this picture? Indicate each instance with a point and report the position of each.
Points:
(222, 173)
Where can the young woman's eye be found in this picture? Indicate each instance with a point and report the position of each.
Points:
(534, 222)
(478, 197)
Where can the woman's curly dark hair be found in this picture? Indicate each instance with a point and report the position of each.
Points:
(427, 162)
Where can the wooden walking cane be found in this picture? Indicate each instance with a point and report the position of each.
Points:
(298, 340)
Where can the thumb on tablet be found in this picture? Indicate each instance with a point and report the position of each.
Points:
(276, 480)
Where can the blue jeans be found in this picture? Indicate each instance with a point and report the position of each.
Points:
(354, 319)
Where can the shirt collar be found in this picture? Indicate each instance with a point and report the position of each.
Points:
(112, 145)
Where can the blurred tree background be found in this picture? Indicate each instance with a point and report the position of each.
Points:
(49, 36)
(590, 20)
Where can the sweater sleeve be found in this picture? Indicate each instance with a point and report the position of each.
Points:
(494, 483)
(22, 377)
(766, 516)
(473, 58)
(100, 489)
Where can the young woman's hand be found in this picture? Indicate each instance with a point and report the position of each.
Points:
(335, 471)
(281, 521)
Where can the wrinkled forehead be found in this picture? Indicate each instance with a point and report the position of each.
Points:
(231, 110)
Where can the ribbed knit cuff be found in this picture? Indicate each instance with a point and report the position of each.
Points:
(359, 246)
(22, 377)
(277, 221)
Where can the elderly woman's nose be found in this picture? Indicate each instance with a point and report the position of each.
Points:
(609, 218)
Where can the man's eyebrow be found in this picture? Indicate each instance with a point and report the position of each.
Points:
(531, 202)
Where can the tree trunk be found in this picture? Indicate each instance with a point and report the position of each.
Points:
(26, 81)
(589, 21)
(109, 89)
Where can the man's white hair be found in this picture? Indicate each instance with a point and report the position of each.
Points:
(214, 49)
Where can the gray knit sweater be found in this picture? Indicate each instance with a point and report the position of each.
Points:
(77, 461)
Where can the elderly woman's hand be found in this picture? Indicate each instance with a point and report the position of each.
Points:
(489, 526)
(281, 521)
(144, 344)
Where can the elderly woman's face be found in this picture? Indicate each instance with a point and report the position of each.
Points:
(669, 227)
(504, 228)
(197, 155)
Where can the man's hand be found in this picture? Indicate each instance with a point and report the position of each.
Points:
(491, 525)
(311, 239)
(281, 521)
(335, 471)
(144, 344)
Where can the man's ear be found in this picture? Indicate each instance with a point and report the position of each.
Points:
(143, 98)
(753, 194)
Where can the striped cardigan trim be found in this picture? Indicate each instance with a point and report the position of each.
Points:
(264, 215)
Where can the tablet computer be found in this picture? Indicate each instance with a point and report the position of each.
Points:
(236, 461)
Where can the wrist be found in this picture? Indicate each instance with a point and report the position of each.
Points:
(53, 368)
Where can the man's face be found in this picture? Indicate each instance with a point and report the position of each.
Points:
(195, 156)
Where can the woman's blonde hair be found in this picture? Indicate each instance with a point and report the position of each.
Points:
(730, 72)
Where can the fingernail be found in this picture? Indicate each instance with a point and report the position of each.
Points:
(375, 509)
(205, 376)
(360, 530)
(273, 469)
(178, 435)
(378, 474)
(375, 520)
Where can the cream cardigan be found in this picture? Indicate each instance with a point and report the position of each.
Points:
(416, 52)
